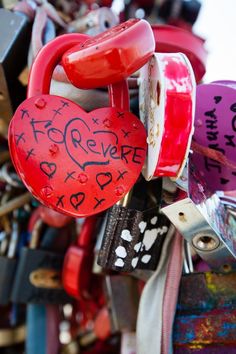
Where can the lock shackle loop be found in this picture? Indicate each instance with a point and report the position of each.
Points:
(47, 59)
(111, 56)
(50, 55)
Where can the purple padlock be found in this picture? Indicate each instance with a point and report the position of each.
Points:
(215, 129)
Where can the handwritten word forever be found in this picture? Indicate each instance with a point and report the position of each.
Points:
(84, 146)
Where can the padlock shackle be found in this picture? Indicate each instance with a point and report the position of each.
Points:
(47, 59)
(50, 55)
(84, 239)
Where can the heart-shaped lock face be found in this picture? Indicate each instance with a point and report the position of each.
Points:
(76, 162)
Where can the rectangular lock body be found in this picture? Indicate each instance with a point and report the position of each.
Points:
(14, 43)
(30, 261)
(122, 299)
(121, 235)
(203, 222)
(134, 234)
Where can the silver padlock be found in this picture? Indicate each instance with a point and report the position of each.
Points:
(203, 220)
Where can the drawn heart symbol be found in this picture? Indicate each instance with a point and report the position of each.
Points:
(103, 179)
(77, 199)
(76, 162)
(217, 99)
(48, 168)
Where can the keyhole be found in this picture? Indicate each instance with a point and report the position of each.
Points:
(205, 243)
(106, 24)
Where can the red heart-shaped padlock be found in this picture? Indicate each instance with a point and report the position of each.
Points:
(75, 162)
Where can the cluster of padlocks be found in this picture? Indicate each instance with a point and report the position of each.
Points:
(117, 182)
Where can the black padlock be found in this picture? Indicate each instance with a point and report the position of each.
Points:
(38, 276)
(15, 32)
(153, 229)
(133, 236)
(121, 234)
(8, 264)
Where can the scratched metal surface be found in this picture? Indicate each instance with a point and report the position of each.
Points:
(206, 314)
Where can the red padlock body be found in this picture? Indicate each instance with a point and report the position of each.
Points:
(170, 39)
(102, 324)
(71, 163)
(110, 56)
(47, 59)
(76, 272)
(53, 218)
(75, 162)
(167, 102)
(78, 261)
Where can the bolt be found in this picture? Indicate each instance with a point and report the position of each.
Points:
(82, 178)
(53, 149)
(47, 191)
(107, 123)
(119, 191)
(40, 103)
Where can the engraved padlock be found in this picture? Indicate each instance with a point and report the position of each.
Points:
(75, 162)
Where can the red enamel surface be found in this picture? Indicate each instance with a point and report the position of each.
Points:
(170, 39)
(47, 59)
(78, 261)
(178, 119)
(111, 56)
(178, 111)
(85, 145)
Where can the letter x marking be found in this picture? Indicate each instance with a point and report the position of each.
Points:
(126, 134)
(56, 112)
(99, 202)
(69, 176)
(121, 175)
(64, 104)
(20, 137)
(60, 201)
(95, 121)
(30, 153)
